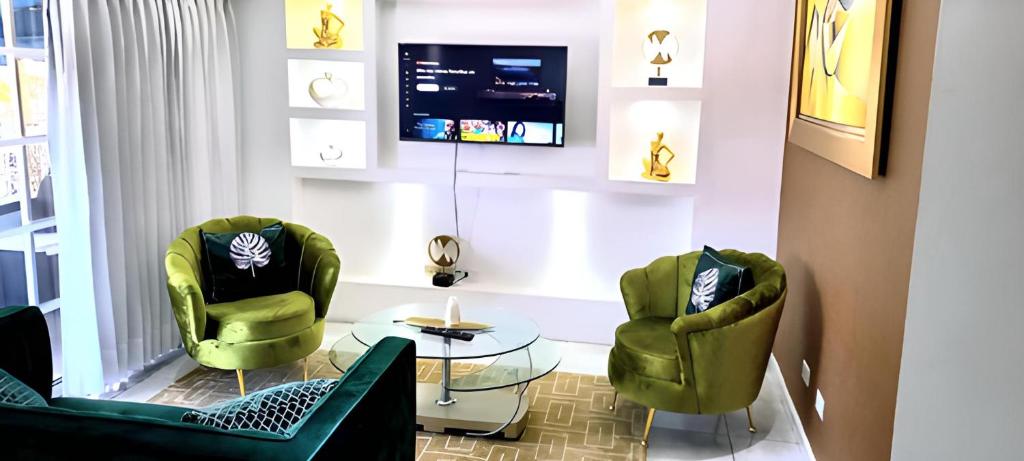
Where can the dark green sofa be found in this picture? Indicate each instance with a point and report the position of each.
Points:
(369, 416)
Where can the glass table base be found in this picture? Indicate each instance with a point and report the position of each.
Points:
(475, 411)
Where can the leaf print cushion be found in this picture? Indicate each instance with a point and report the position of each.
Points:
(716, 280)
(240, 265)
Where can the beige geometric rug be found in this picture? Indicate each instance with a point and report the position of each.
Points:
(568, 417)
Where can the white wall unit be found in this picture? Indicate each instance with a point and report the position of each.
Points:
(545, 229)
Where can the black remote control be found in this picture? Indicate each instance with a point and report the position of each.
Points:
(455, 334)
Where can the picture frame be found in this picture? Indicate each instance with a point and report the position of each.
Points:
(847, 125)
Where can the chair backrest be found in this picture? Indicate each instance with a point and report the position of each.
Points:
(25, 347)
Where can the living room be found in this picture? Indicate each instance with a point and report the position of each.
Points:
(475, 230)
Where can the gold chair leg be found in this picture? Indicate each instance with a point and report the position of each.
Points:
(305, 368)
(615, 396)
(241, 382)
(647, 427)
(750, 422)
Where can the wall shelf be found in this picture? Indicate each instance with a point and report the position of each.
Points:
(657, 92)
(484, 180)
(470, 285)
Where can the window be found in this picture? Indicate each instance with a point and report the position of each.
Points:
(29, 272)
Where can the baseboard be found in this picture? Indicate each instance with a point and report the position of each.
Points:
(792, 409)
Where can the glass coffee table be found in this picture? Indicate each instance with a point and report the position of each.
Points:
(483, 382)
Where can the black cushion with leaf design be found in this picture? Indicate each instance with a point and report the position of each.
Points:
(240, 265)
(716, 280)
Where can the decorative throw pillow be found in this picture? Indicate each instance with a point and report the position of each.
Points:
(716, 280)
(15, 392)
(242, 265)
(279, 410)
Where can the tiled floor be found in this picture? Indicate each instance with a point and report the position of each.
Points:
(673, 437)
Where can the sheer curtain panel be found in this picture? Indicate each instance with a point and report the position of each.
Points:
(144, 140)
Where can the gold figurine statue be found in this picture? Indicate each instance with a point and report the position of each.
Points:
(655, 167)
(327, 35)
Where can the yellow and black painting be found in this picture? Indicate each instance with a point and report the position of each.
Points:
(836, 72)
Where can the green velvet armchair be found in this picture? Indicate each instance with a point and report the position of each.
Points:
(258, 332)
(708, 363)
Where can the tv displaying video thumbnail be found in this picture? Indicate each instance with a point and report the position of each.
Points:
(482, 131)
(439, 129)
(520, 132)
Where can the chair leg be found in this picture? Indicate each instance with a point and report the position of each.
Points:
(647, 427)
(241, 382)
(615, 397)
(750, 422)
(305, 368)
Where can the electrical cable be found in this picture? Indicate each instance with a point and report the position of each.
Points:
(455, 193)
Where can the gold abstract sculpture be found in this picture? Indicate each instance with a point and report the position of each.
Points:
(655, 166)
(659, 47)
(444, 250)
(328, 36)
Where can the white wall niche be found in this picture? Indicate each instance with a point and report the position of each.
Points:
(317, 143)
(635, 19)
(326, 84)
(636, 123)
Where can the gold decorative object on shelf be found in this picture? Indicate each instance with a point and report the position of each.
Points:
(444, 251)
(327, 35)
(655, 166)
(659, 47)
(439, 323)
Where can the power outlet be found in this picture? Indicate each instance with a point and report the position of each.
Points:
(805, 373)
(819, 404)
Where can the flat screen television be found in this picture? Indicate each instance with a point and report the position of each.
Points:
(482, 94)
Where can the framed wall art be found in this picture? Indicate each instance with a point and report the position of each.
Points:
(843, 59)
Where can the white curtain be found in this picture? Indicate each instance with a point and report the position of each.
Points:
(144, 142)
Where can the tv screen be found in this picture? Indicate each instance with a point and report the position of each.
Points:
(482, 94)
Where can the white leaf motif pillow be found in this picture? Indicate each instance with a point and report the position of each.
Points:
(704, 286)
(249, 251)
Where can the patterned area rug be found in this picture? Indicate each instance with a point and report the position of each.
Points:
(568, 417)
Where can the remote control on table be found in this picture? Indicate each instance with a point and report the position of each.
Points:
(456, 334)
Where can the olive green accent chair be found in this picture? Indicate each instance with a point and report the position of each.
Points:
(708, 363)
(259, 332)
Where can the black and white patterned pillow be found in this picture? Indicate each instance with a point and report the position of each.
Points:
(278, 410)
(15, 392)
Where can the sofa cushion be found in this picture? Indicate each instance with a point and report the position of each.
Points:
(263, 317)
(239, 265)
(278, 410)
(716, 280)
(647, 347)
(15, 392)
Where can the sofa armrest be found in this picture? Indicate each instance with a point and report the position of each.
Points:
(723, 314)
(635, 293)
(318, 266)
(187, 300)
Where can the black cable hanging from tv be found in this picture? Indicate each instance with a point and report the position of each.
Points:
(455, 193)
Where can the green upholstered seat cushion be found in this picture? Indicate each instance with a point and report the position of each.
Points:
(260, 318)
(238, 265)
(15, 392)
(647, 347)
(716, 279)
(278, 410)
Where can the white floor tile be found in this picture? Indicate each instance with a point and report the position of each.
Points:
(767, 450)
(669, 444)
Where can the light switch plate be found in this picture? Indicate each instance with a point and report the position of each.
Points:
(819, 404)
(805, 373)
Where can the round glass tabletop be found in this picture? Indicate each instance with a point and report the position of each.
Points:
(509, 332)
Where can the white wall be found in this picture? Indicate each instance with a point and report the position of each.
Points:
(962, 375)
(552, 253)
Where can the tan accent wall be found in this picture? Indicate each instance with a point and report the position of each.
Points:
(846, 243)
